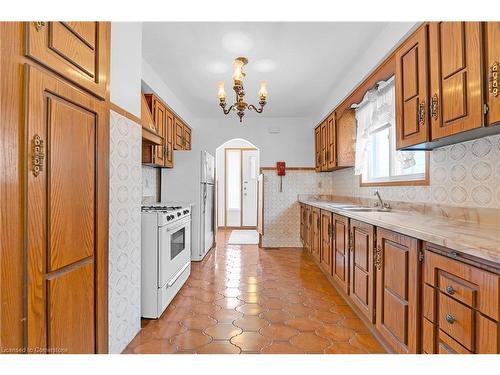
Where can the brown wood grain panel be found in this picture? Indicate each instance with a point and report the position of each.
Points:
(488, 284)
(487, 335)
(361, 271)
(446, 345)
(398, 315)
(346, 138)
(340, 251)
(317, 148)
(63, 48)
(461, 325)
(87, 31)
(169, 141)
(428, 337)
(457, 288)
(428, 302)
(187, 138)
(71, 201)
(326, 241)
(412, 124)
(456, 83)
(331, 144)
(316, 232)
(70, 310)
(179, 134)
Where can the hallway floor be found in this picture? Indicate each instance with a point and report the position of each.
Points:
(242, 299)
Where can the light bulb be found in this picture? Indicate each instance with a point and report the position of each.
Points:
(263, 90)
(238, 70)
(222, 93)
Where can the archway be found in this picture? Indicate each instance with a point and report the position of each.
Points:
(237, 166)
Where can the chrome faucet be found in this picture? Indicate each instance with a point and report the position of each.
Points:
(380, 203)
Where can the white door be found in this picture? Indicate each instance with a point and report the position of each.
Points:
(233, 188)
(249, 176)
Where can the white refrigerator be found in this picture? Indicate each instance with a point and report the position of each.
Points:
(192, 181)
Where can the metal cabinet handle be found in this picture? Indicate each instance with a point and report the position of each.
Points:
(493, 79)
(450, 290)
(37, 155)
(39, 25)
(377, 257)
(421, 113)
(434, 106)
(449, 318)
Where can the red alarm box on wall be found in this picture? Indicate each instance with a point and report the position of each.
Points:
(281, 168)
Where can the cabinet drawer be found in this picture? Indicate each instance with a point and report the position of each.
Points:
(458, 288)
(456, 320)
(447, 345)
(428, 337)
(475, 287)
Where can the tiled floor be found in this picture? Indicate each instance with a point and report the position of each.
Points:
(242, 299)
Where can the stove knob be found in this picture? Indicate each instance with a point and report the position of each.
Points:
(185, 212)
(179, 214)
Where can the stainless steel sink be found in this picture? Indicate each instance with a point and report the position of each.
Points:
(365, 209)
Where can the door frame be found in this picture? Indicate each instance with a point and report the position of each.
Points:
(241, 149)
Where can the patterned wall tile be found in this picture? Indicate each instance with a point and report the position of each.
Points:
(149, 183)
(124, 231)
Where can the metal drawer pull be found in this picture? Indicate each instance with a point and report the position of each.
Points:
(449, 318)
(450, 290)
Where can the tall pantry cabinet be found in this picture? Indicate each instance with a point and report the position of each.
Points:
(55, 107)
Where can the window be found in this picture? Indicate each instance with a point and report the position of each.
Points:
(377, 160)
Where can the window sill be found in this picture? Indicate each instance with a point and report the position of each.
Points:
(423, 182)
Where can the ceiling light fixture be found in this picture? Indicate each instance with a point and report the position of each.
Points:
(240, 106)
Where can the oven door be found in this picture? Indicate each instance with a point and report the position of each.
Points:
(174, 249)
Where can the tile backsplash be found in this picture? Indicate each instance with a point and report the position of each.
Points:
(150, 184)
(465, 174)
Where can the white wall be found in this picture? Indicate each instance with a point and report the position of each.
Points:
(294, 144)
(126, 61)
(364, 64)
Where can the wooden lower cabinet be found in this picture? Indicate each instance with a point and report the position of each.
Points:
(397, 290)
(361, 268)
(326, 241)
(67, 217)
(461, 306)
(315, 232)
(340, 251)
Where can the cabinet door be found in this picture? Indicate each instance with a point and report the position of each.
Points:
(346, 138)
(169, 140)
(361, 271)
(317, 148)
(340, 251)
(455, 77)
(302, 222)
(308, 228)
(326, 241)
(331, 152)
(397, 288)
(492, 68)
(412, 125)
(160, 119)
(187, 137)
(78, 51)
(316, 233)
(178, 134)
(324, 144)
(67, 216)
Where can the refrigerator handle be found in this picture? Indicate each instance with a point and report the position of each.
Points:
(204, 197)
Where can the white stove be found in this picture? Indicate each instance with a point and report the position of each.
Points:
(166, 255)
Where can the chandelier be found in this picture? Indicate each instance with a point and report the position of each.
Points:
(240, 105)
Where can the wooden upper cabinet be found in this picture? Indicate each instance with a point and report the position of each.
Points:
(324, 145)
(160, 119)
(331, 134)
(326, 241)
(412, 124)
(187, 137)
(78, 51)
(346, 138)
(182, 137)
(456, 103)
(397, 290)
(340, 252)
(169, 139)
(492, 69)
(317, 148)
(361, 269)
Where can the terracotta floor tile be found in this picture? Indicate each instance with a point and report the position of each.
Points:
(226, 315)
(281, 348)
(223, 331)
(219, 347)
(276, 316)
(310, 342)
(190, 340)
(242, 299)
(251, 323)
(335, 332)
(251, 341)
(279, 332)
(367, 343)
(303, 324)
(250, 309)
(198, 322)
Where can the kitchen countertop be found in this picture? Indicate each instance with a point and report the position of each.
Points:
(479, 240)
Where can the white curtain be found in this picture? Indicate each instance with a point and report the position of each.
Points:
(376, 110)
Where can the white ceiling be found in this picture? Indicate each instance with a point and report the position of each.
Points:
(300, 61)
